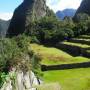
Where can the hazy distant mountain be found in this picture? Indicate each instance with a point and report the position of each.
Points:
(3, 27)
(65, 12)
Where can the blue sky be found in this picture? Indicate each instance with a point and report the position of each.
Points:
(7, 6)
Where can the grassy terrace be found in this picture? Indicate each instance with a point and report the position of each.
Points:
(81, 39)
(88, 51)
(73, 79)
(51, 56)
(84, 36)
(77, 44)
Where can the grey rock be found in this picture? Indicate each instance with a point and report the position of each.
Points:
(3, 27)
(27, 12)
(84, 8)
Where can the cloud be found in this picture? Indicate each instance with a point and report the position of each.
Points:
(53, 4)
(5, 16)
(62, 4)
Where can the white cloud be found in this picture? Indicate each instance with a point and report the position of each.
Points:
(53, 4)
(62, 4)
(6, 16)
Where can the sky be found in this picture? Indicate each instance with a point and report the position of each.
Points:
(7, 6)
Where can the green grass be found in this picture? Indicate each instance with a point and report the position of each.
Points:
(77, 44)
(55, 56)
(88, 51)
(81, 39)
(76, 79)
(50, 86)
(73, 79)
(84, 36)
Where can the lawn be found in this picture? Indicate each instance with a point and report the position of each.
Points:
(76, 79)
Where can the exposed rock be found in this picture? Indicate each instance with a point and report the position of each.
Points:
(27, 12)
(3, 27)
(22, 81)
(84, 8)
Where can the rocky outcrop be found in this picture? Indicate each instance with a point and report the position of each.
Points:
(27, 12)
(3, 27)
(84, 8)
(18, 80)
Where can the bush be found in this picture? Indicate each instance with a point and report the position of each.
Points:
(15, 52)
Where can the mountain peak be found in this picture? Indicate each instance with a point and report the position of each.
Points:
(84, 8)
(27, 12)
(66, 12)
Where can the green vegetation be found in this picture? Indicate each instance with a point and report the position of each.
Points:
(74, 79)
(50, 30)
(84, 36)
(51, 86)
(77, 44)
(14, 53)
(20, 53)
(50, 55)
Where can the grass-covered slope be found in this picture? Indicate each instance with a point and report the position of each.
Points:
(51, 55)
(74, 79)
(76, 46)
(84, 36)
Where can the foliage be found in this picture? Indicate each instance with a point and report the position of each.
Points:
(15, 52)
(82, 24)
(50, 30)
(54, 56)
(2, 78)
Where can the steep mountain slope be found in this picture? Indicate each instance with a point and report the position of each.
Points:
(65, 12)
(28, 11)
(84, 8)
(3, 27)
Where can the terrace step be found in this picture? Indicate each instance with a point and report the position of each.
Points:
(81, 41)
(84, 37)
(74, 49)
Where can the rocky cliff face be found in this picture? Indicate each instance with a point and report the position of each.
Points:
(3, 27)
(84, 8)
(18, 80)
(27, 12)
